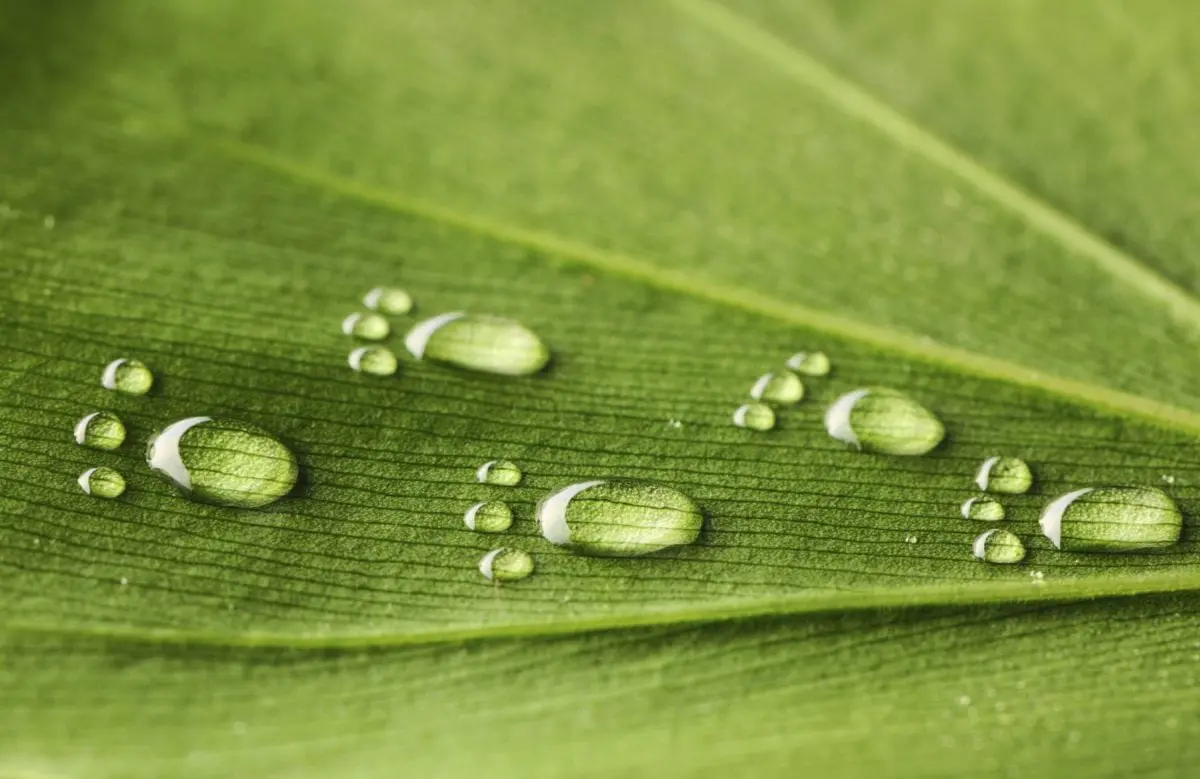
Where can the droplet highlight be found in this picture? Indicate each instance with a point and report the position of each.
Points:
(619, 518)
(100, 430)
(883, 421)
(502, 473)
(506, 565)
(102, 482)
(999, 546)
(368, 327)
(492, 516)
(754, 416)
(388, 300)
(1112, 519)
(129, 376)
(783, 388)
(374, 360)
(1008, 475)
(983, 508)
(810, 363)
(478, 342)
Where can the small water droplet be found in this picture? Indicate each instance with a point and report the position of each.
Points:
(374, 360)
(1037, 577)
(389, 300)
(102, 482)
(983, 508)
(910, 539)
(124, 581)
(504, 473)
(884, 421)
(224, 462)
(492, 516)
(999, 546)
(1112, 519)
(1168, 478)
(964, 700)
(128, 376)
(810, 363)
(1008, 475)
(506, 565)
(369, 327)
(783, 388)
(754, 416)
(619, 518)
(674, 423)
(478, 342)
(100, 430)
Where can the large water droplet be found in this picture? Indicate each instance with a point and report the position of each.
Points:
(492, 516)
(810, 363)
(1112, 519)
(619, 518)
(783, 388)
(886, 421)
(389, 300)
(503, 473)
(1010, 475)
(375, 360)
(983, 508)
(102, 482)
(129, 376)
(224, 462)
(754, 416)
(478, 342)
(100, 430)
(506, 565)
(369, 327)
(999, 546)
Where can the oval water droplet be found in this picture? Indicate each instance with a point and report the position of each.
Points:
(493, 516)
(129, 376)
(1112, 519)
(374, 360)
(884, 421)
(100, 430)
(999, 546)
(389, 300)
(783, 388)
(224, 462)
(102, 482)
(503, 473)
(754, 416)
(478, 342)
(983, 508)
(1009, 475)
(619, 518)
(506, 565)
(369, 327)
(810, 363)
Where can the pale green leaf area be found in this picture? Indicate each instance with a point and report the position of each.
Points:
(676, 196)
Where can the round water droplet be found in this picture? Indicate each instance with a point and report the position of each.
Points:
(885, 421)
(129, 376)
(369, 327)
(389, 300)
(619, 518)
(375, 360)
(102, 482)
(754, 416)
(100, 430)
(1112, 519)
(478, 342)
(506, 565)
(224, 462)
(983, 508)
(1009, 475)
(783, 388)
(810, 363)
(492, 516)
(503, 473)
(999, 546)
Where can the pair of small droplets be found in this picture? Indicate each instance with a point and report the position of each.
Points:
(779, 388)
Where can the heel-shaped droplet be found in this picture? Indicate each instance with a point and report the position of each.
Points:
(478, 342)
(1112, 519)
(619, 518)
(883, 421)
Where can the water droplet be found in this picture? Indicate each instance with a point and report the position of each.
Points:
(223, 462)
(100, 430)
(999, 546)
(478, 342)
(128, 376)
(389, 300)
(506, 565)
(375, 360)
(1112, 519)
(910, 539)
(1009, 475)
(102, 482)
(674, 423)
(504, 473)
(369, 327)
(983, 508)
(754, 416)
(783, 388)
(810, 363)
(489, 517)
(885, 421)
(619, 518)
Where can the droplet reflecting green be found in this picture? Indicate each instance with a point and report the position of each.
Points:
(810, 363)
(754, 416)
(129, 376)
(619, 518)
(1009, 475)
(100, 430)
(999, 546)
(506, 565)
(102, 482)
(479, 342)
(389, 300)
(492, 516)
(375, 360)
(983, 508)
(224, 462)
(783, 388)
(885, 421)
(1112, 519)
(503, 473)
(369, 327)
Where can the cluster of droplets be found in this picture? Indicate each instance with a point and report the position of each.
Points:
(779, 389)
(104, 430)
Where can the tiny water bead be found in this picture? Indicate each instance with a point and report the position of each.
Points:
(619, 518)
(102, 482)
(1112, 519)
(369, 327)
(224, 462)
(129, 376)
(999, 546)
(754, 416)
(389, 300)
(810, 363)
(489, 517)
(884, 421)
(503, 473)
(374, 360)
(1008, 475)
(506, 565)
(478, 342)
(783, 388)
(983, 508)
(100, 430)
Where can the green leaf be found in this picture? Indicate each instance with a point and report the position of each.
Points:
(676, 195)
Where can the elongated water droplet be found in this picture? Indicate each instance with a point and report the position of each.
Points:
(369, 327)
(783, 388)
(102, 482)
(100, 430)
(375, 360)
(129, 376)
(619, 518)
(492, 516)
(983, 508)
(504, 473)
(506, 565)
(999, 546)
(1112, 519)
(754, 416)
(810, 363)
(224, 462)
(886, 421)
(389, 300)
(478, 342)
(1009, 475)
